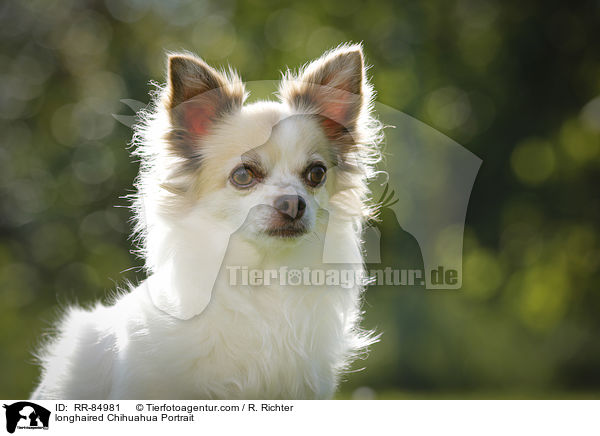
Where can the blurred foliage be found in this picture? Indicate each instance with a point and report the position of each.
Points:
(517, 83)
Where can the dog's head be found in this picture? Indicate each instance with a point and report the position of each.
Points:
(272, 173)
(268, 168)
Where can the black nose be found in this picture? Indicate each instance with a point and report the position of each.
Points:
(291, 205)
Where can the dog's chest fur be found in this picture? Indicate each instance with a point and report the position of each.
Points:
(286, 343)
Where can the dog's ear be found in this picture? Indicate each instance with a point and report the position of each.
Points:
(197, 96)
(332, 87)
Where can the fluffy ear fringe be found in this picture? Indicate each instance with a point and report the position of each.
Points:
(188, 75)
(196, 96)
(333, 87)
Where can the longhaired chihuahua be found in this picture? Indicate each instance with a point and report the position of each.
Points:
(227, 190)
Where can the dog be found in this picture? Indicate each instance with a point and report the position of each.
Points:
(225, 188)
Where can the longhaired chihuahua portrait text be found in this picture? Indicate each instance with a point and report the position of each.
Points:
(226, 188)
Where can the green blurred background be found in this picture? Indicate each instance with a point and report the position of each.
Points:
(517, 83)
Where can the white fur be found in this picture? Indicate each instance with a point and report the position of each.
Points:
(186, 332)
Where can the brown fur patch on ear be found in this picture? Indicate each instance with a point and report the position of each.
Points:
(331, 87)
(197, 96)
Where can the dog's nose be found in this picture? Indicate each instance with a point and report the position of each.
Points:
(291, 205)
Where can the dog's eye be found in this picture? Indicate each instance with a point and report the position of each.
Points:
(315, 175)
(243, 177)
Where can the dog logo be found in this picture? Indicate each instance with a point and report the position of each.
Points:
(26, 415)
